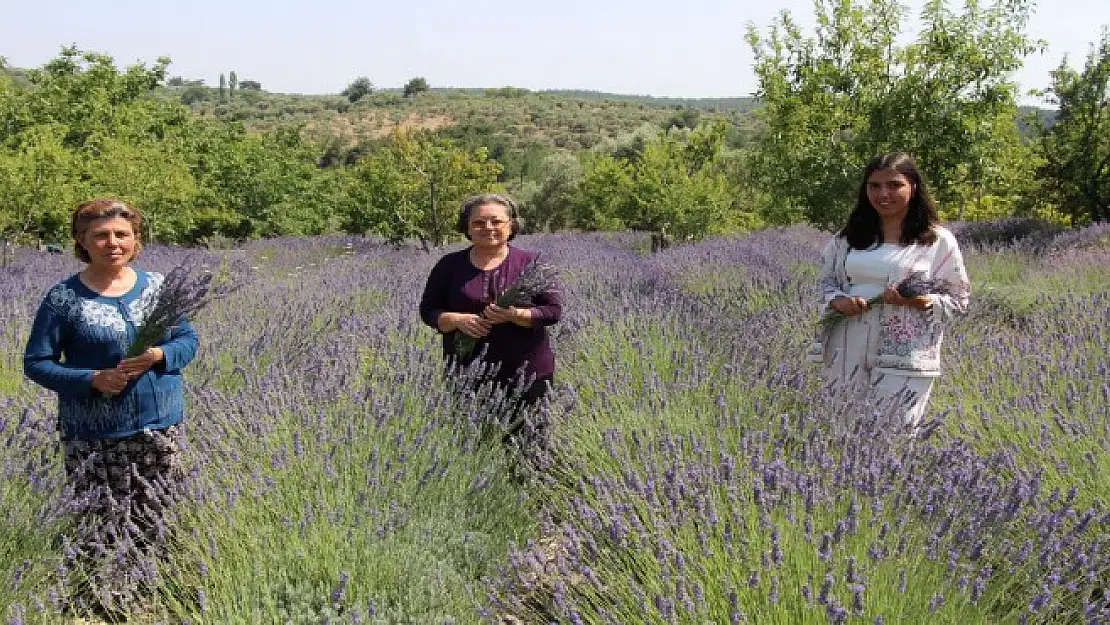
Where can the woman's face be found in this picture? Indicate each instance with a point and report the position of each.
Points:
(489, 225)
(110, 242)
(889, 193)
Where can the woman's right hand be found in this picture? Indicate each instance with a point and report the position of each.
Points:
(109, 381)
(473, 326)
(850, 306)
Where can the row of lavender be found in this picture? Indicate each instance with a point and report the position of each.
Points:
(701, 473)
(761, 497)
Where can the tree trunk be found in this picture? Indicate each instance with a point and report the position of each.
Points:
(7, 251)
(437, 236)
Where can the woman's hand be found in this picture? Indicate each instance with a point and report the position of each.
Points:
(109, 381)
(135, 367)
(473, 326)
(512, 314)
(850, 306)
(921, 302)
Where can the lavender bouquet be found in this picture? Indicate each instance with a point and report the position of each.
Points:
(913, 285)
(537, 278)
(180, 296)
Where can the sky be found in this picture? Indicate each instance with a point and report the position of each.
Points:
(687, 48)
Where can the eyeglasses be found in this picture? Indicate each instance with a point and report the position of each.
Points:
(488, 223)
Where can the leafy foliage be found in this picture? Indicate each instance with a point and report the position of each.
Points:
(358, 88)
(833, 99)
(83, 128)
(672, 184)
(409, 189)
(1076, 148)
(415, 85)
(235, 162)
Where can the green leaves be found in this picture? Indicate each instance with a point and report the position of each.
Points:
(415, 85)
(1076, 149)
(412, 187)
(834, 99)
(675, 183)
(358, 88)
(84, 128)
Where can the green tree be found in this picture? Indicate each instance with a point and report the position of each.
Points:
(82, 128)
(550, 205)
(677, 184)
(269, 181)
(195, 93)
(605, 194)
(1075, 173)
(83, 92)
(358, 88)
(410, 188)
(36, 186)
(684, 117)
(152, 174)
(681, 188)
(834, 99)
(415, 86)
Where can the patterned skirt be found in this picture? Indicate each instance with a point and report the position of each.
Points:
(124, 491)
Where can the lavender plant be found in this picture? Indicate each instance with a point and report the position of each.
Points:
(702, 473)
(181, 295)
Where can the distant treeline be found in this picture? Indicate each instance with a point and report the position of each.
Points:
(235, 161)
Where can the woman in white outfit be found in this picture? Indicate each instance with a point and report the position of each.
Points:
(892, 348)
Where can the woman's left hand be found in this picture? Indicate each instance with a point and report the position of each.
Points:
(891, 296)
(135, 367)
(512, 314)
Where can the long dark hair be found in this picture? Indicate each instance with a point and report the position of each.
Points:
(864, 229)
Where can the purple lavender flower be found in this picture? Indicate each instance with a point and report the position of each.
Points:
(824, 551)
(853, 575)
(180, 296)
(857, 599)
(917, 285)
(753, 578)
(836, 613)
(823, 597)
(339, 593)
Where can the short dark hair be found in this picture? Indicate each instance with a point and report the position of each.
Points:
(864, 228)
(474, 201)
(103, 208)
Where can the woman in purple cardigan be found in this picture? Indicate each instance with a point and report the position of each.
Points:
(463, 285)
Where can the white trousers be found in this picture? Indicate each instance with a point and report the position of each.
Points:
(849, 357)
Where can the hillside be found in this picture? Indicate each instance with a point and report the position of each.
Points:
(571, 120)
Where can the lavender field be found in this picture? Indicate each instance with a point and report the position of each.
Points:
(700, 472)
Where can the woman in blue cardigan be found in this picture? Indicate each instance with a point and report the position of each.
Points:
(118, 417)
